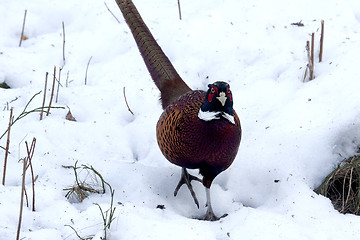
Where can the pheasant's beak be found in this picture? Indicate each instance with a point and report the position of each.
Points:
(222, 98)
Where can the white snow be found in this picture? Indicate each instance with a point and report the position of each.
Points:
(294, 132)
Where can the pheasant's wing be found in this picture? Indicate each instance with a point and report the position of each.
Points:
(161, 70)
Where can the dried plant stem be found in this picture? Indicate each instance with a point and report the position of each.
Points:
(127, 102)
(26, 112)
(58, 86)
(179, 9)
(26, 198)
(22, 198)
(67, 79)
(23, 28)
(309, 65)
(111, 12)
(30, 153)
(7, 146)
(63, 28)
(321, 41)
(43, 103)
(87, 67)
(52, 92)
(310, 53)
(312, 57)
(349, 188)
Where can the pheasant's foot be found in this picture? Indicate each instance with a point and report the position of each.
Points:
(210, 216)
(186, 178)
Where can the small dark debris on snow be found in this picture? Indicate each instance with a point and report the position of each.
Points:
(299, 24)
(70, 117)
(160, 206)
(4, 85)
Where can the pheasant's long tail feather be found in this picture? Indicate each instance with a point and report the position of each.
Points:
(161, 70)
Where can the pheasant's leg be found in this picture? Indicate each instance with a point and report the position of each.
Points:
(186, 178)
(210, 216)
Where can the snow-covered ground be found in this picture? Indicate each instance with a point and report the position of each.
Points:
(294, 132)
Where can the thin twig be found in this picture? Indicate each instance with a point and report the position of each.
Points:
(43, 103)
(111, 12)
(58, 86)
(23, 28)
(26, 198)
(67, 79)
(30, 153)
(63, 28)
(350, 182)
(22, 198)
(7, 146)
(179, 9)
(321, 41)
(52, 92)
(81, 238)
(103, 182)
(309, 60)
(343, 192)
(310, 53)
(87, 67)
(312, 57)
(127, 102)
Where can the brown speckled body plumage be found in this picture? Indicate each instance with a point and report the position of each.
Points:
(187, 141)
(197, 130)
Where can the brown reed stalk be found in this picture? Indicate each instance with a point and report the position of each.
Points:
(63, 49)
(23, 28)
(30, 153)
(21, 198)
(7, 146)
(52, 92)
(179, 9)
(43, 103)
(321, 41)
(312, 57)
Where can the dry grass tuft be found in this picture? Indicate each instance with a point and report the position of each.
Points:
(342, 186)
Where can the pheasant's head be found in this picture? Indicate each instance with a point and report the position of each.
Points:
(218, 103)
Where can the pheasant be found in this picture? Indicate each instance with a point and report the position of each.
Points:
(197, 129)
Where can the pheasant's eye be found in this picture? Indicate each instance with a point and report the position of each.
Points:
(228, 91)
(212, 90)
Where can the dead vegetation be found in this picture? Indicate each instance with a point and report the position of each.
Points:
(342, 186)
(4, 85)
(88, 181)
(310, 48)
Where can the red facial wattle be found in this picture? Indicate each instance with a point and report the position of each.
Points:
(213, 92)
